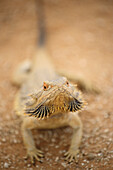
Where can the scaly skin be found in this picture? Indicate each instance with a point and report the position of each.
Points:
(40, 103)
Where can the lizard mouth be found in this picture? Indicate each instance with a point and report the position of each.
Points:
(46, 109)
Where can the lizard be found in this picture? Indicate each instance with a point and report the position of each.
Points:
(46, 101)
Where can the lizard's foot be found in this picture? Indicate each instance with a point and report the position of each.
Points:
(35, 154)
(71, 155)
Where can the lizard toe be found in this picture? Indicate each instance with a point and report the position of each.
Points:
(40, 153)
(35, 154)
(71, 155)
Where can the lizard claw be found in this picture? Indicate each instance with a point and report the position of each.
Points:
(71, 155)
(35, 154)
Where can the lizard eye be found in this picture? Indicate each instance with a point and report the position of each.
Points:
(45, 86)
(67, 83)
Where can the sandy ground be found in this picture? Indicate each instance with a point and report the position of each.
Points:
(80, 42)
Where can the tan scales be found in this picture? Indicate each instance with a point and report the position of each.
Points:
(46, 101)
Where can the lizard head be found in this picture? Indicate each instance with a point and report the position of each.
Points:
(58, 96)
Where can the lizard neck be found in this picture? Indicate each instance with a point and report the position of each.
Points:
(43, 64)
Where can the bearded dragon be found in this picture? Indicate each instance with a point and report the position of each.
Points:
(46, 101)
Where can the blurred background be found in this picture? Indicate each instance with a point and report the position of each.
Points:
(79, 40)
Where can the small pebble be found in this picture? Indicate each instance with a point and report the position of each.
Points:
(56, 159)
(64, 164)
(15, 141)
(3, 140)
(105, 163)
(91, 165)
(53, 140)
(100, 154)
(56, 146)
(6, 165)
(28, 165)
(90, 156)
(106, 130)
(111, 152)
(84, 160)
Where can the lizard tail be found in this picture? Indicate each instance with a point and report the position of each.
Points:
(41, 56)
(41, 23)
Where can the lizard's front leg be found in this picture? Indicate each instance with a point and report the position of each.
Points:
(32, 151)
(76, 124)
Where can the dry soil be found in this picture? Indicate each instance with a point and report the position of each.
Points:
(80, 42)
